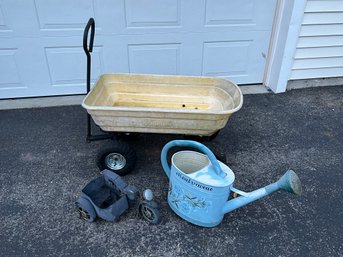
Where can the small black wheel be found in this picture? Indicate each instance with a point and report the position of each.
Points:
(150, 214)
(85, 209)
(120, 158)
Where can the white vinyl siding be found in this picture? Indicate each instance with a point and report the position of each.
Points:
(319, 52)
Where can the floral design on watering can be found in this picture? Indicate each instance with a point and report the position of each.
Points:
(185, 201)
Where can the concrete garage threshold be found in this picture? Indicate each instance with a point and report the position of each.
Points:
(45, 162)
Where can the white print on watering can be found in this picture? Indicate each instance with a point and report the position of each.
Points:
(193, 183)
(186, 202)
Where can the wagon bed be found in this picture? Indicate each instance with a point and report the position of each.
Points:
(162, 104)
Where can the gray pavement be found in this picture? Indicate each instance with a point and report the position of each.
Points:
(45, 162)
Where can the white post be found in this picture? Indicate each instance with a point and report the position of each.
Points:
(287, 25)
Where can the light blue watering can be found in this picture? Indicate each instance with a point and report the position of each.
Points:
(200, 185)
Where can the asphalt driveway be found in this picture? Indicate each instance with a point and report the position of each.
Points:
(45, 162)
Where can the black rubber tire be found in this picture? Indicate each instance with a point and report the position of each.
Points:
(118, 149)
(85, 209)
(150, 214)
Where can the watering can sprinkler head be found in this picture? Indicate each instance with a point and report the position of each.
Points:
(290, 182)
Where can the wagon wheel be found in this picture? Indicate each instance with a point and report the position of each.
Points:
(85, 209)
(152, 215)
(119, 158)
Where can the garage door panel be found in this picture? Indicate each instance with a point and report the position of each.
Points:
(67, 65)
(63, 14)
(154, 58)
(239, 15)
(9, 78)
(65, 62)
(239, 57)
(226, 58)
(223, 12)
(18, 63)
(145, 17)
(157, 54)
(172, 54)
(18, 18)
(65, 18)
(152, 13)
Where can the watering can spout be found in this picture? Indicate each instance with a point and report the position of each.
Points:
(289, 182)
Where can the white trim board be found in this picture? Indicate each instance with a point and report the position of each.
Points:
(286, 29)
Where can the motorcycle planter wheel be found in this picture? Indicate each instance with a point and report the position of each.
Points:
(149, 213)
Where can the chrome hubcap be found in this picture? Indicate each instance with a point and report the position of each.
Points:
(115, 161)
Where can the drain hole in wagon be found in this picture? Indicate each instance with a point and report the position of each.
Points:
(195, 108)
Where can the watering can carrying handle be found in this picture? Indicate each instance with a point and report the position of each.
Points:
(193, 144)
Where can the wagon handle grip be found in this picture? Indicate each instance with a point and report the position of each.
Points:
(90, 26)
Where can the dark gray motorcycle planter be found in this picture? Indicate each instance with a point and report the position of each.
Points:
(108, 196)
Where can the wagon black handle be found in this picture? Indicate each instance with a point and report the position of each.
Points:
(90, 26)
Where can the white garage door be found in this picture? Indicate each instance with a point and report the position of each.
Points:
(41, 50)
